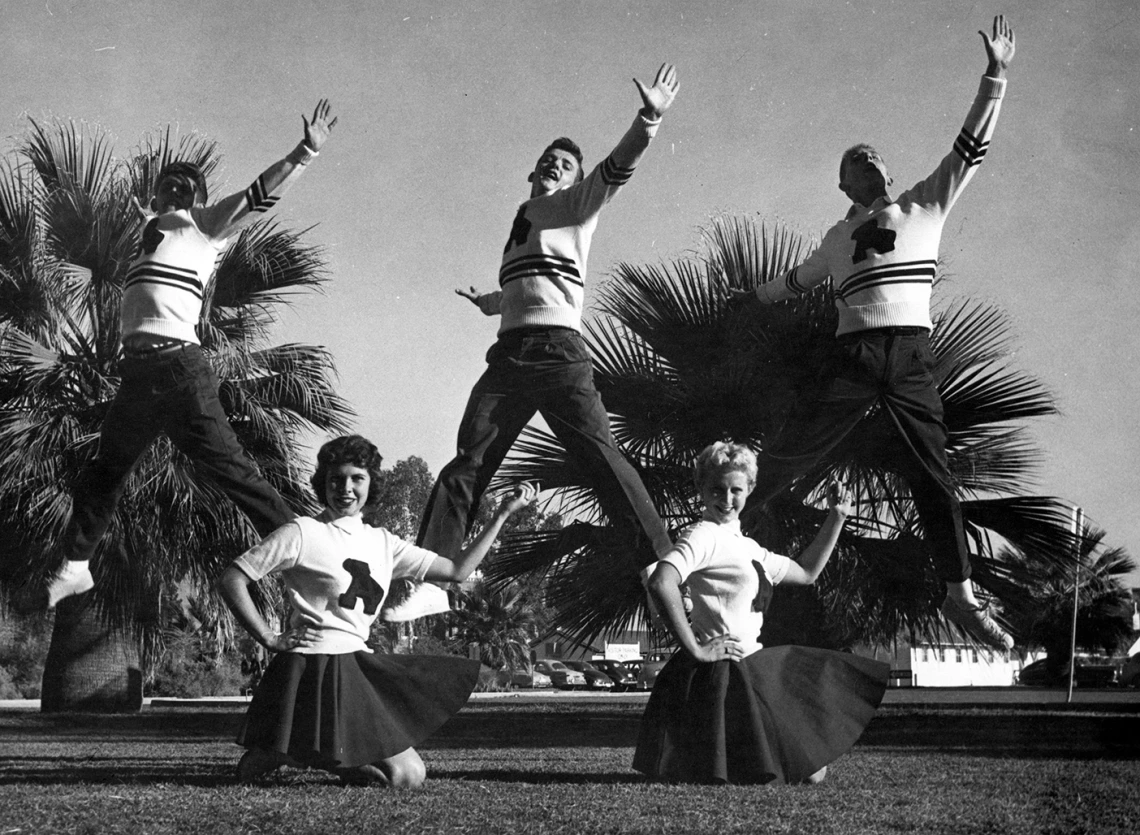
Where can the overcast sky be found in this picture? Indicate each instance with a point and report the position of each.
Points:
(445, 106)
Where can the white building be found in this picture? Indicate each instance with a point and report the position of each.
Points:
(951, 665)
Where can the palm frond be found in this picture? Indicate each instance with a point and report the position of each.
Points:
(264, 269)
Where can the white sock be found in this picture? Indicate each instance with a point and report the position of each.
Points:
(73, 578)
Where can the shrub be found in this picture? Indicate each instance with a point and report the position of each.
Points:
(23, 647)
(188, 669)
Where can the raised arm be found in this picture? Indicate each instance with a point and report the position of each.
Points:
(806, 569)
(999, 47)
(219, 220)
(443, 569)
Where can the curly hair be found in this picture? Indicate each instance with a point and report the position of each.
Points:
(348, 449)
(724, 456)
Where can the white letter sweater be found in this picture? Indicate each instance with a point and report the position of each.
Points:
(179, 250)
(881, 258)
(543, 275)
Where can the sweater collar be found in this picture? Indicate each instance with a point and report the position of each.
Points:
(348, 524)
(878, 203)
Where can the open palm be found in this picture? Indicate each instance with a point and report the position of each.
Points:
(660, 96)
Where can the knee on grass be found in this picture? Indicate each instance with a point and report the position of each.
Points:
(405, 770)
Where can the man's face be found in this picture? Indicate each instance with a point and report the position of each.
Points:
(174, 192)
(865, 175)
(555, 169)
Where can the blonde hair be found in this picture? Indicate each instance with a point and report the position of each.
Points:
(724, 456)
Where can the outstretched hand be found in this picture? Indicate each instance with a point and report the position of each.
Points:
(518, 497)
(471, 294)
(317, 131)
(999, 48)
(658, 97)
(740, 294)
(839, 499)
(144, 213)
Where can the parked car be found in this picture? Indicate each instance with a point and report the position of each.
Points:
(1085, 674)
(623, 677)
(563, 677)
(595, 678)
(652, 665)
(1130, 672)
(523, 678)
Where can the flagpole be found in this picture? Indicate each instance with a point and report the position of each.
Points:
(1078, 525)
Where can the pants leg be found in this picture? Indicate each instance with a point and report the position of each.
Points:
(128, 428)
(915, 407)
(895, 372)
(198, 425)
(495, 414)
(578, 418)
(847, 390)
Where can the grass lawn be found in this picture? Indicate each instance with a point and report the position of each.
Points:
(546, 768)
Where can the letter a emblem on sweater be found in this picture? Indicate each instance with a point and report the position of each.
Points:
(870, 236)
(520, 230)
(362, 587)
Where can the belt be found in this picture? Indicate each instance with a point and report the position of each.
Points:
(154, 353)
(892, 330)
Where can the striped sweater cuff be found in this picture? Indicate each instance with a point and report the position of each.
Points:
(992, 88)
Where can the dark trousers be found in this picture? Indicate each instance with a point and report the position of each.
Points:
(175, 393)
(544, 370)
(889, 368)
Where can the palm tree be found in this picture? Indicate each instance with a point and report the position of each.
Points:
(679, 365)
(68, 231)
(1104, 603)
(500, 621)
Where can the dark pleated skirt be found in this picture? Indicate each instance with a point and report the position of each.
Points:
(779, 715)
(337, 711)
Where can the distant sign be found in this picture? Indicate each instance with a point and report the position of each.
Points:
(623, 652)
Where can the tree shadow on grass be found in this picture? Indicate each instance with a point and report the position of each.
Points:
(536, 777)
(112, 771)
(1024, 734)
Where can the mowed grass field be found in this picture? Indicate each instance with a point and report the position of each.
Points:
(526, 768)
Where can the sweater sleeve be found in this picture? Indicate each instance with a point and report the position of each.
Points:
(221, 219)
(938, 192)
(489, 303)
(589, 196)
(811, 272)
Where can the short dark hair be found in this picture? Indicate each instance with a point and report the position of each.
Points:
(183, 169)
(349, 449)
(568, 145)
(850, 152)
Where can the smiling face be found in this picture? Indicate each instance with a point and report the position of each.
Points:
(346, 490)
(556, 169)
(724, 493)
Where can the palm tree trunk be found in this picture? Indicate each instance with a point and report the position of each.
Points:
(90, 666)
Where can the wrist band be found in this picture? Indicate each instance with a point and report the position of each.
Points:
(302, 154)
